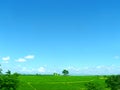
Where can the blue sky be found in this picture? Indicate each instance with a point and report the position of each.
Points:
(46, 36)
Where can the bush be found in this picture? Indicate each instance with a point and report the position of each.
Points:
(113, 82)
(93, 86)
(9, 81)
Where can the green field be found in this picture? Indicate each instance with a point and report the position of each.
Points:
(57, 82)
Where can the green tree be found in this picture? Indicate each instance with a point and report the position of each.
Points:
(65, 72)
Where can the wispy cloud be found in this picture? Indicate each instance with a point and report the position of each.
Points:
(5, 62)
(25, 69)
(72, 68)
(30, 70)
(95, 70)
(7, 58)
(41, 69)
(116, 57)
(29, 57)
(89, 70)
(21, 60)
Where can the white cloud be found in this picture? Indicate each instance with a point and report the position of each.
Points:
(26, 58)
(7, 58)
(21, 60)
(29, 57)
(41, 70)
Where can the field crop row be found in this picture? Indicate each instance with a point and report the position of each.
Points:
(57, 82)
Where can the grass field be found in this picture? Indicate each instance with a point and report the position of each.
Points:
(57, 82)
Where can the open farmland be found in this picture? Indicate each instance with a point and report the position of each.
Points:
(57, 82)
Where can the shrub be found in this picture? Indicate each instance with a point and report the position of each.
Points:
(93, 86)
(113, 82)
(9, 81)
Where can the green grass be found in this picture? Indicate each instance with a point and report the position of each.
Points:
(57, 82)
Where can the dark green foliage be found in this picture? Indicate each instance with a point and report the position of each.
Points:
(94, 86)
(65, 72)
(9, 81)
(113, 82)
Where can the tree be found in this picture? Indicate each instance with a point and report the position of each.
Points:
(65, 72)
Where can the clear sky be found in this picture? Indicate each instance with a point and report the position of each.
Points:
(46, 36)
